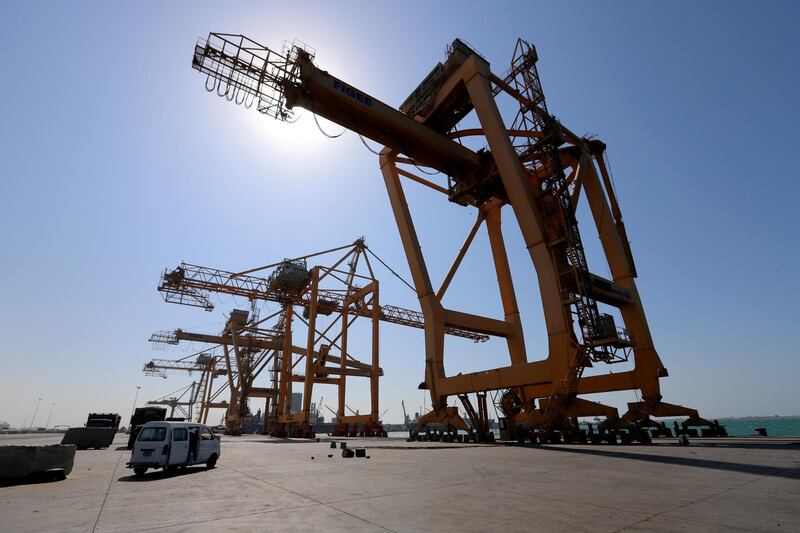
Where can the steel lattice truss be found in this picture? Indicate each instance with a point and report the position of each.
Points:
(191, 284)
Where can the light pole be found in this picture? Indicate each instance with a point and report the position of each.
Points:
(50, 414)
(134, 400)
(33, 418)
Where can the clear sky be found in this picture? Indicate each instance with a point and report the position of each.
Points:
(116, 163)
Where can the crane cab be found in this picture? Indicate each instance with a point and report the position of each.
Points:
(170, 445)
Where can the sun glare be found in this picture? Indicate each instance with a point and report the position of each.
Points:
(301, 136)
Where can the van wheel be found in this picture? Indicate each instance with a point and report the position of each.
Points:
(139, 470)
(212, 462)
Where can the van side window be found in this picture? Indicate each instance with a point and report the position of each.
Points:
(179, 434)
(156, 434)
(207, 435)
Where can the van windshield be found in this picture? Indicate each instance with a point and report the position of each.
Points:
(153, 434)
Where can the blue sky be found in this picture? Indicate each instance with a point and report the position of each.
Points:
(116, 164)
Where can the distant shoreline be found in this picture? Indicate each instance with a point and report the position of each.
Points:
(773, 417)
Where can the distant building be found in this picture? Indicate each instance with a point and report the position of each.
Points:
(297, 402)
(4, 425)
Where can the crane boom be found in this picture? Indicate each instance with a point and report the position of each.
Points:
(190, 284)
(245, 342)
(165, 364)
(243, 70)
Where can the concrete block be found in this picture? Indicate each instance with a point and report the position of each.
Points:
(89, 437)
(21, 461)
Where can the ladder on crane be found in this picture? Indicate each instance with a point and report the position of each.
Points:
(598, 343)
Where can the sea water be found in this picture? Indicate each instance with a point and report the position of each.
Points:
(777, 426)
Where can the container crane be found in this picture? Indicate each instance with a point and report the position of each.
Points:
(334, 413)
(245, 357)
(175, 400)
(316, 410)
(538, 168)
(338, 291)
(406, 418)
(209, 367)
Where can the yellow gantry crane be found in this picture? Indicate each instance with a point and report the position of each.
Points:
(248, 349)
(208, 365)
(343, 291)
(183, 400)
(538, 170)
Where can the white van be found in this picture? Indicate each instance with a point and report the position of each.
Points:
(170, 445)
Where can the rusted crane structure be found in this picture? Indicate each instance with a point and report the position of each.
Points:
(531, 165)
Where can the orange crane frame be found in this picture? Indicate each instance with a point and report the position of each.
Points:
(489, 180)
(209, 367)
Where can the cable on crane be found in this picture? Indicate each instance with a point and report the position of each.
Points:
(417, 166)
(227, 86)
(182, 390)
(214, 82)
(611, 175)
(398, 276)
(424, 171)
(320, 127)
(366, 145)
(248, 105)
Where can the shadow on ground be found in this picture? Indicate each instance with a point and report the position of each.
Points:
(156, 475)
(761, 470)
(34, 479)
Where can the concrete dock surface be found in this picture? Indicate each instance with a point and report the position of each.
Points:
(264, 484)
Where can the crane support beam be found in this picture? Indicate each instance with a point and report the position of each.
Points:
(477, 324)
(262, 392)
(337, 101)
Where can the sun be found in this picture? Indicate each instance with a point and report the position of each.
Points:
(303, 135)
